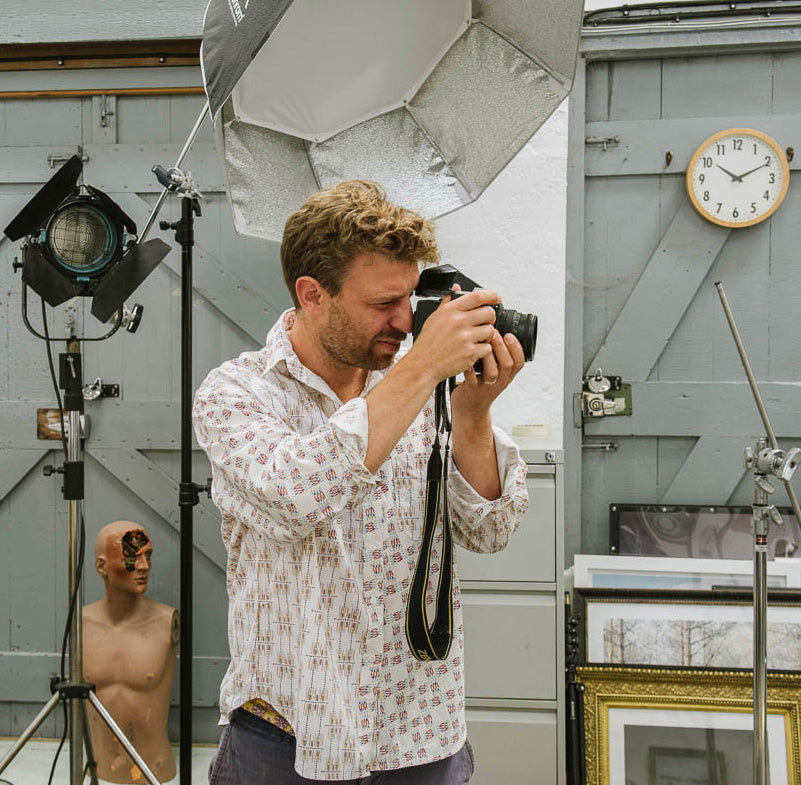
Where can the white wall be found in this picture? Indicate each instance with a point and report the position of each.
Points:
(512, 239)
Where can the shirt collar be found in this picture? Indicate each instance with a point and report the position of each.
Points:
(278, 354)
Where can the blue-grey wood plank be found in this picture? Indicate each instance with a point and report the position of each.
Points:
(643, 143)
(160, 492)
(720, 85)
(16, 465)
(25, 677)
(704, 409)
(712, 471)
(661, 296)
(244, 307)
(112, 423)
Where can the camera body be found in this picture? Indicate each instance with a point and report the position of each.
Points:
(436, 283)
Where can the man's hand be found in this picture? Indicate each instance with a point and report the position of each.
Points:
(457, 334)
(473, 440)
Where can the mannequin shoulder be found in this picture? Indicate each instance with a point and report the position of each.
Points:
(165, 618)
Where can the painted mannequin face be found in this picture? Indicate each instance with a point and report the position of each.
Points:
(123, 557)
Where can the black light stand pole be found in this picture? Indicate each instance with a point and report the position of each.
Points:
(188, 490)
(174, 180)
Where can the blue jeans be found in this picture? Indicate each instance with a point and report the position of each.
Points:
(254, 752)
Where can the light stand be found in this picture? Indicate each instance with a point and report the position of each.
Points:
(175, 180)
(765, 461)
(74, 690)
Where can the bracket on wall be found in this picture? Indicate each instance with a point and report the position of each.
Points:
(601, 396)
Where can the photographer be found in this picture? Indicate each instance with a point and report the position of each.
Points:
(318, 444)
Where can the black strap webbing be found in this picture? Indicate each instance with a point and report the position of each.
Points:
(433, 641)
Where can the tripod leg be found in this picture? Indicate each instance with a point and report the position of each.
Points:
(123, 740)
(91, 761)
(29, 731)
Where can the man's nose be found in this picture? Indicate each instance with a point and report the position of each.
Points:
(142, 562)
(402, 317)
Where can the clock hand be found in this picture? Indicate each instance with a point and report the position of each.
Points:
(750, 171)
(734, 177)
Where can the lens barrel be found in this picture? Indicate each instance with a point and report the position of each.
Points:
(522, 325)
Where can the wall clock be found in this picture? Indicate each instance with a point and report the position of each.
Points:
(738, 177)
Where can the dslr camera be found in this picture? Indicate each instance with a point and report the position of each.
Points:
(437, 283)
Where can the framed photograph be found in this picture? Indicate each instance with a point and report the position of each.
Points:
(699, 629)
(695, 532)
(663, 572)
(656, 726)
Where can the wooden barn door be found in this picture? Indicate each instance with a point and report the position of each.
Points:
(122, 121)
(646, 305)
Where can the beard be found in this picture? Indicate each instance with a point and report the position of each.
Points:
(342, 340)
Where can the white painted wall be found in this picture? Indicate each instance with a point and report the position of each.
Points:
(512, 239)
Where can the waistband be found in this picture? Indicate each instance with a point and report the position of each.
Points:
(265, 711)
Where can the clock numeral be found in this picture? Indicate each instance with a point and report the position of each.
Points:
(772, 178)
(720, 204)
(737, 144)
(767, 160)
(735, 213)
(721, 149)
(706, 196)
(766, 196)
(753, 207)
(702, 177)
(755, 148)
(707, 160)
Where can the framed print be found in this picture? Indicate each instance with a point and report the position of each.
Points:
(690, 531)
(663, 572)
(700, 629)
(656, 726)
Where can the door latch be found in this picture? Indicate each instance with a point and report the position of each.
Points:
(602, 396)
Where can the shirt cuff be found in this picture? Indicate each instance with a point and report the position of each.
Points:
(511, 468)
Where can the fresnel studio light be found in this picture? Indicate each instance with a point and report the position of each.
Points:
(80, 243)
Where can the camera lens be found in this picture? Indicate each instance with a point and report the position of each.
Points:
(522, 325)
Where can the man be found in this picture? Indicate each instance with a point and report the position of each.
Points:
(129, 645)
(319, 444)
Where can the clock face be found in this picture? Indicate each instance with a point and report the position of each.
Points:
(737, 177)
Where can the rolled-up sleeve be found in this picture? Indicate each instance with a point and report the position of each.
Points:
(485, 525)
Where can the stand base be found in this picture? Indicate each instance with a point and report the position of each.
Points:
(67, 692)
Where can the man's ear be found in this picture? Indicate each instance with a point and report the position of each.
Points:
(310, 293)
(100, 566)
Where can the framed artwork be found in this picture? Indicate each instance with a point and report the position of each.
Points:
(689, 531)
(657, 726)
(699, 629)
(663, 572)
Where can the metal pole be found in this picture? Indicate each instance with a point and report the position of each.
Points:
(763, 413)
(182, 155)
(77, 727)
(760, 528)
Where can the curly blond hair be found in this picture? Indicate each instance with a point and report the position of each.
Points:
(335, 225)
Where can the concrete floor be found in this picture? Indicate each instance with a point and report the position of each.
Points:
(32, 764)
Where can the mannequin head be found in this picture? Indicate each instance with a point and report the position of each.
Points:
(123, 554)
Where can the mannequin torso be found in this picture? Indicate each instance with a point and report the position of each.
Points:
(129, 655)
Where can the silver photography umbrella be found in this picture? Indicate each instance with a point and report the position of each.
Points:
(431, 99)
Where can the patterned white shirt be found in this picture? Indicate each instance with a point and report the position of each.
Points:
(320, 557)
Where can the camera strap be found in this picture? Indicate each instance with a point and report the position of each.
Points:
(433, 641)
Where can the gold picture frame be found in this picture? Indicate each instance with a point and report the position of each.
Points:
(619, 700)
